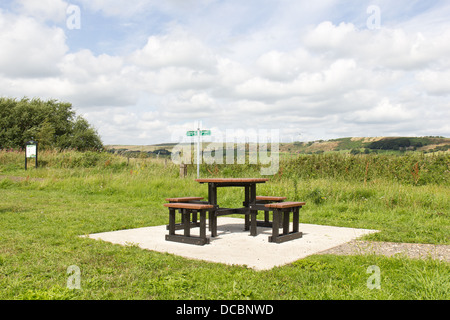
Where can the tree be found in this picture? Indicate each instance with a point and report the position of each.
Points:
(83, 136)
(52, 123)
(46, 135)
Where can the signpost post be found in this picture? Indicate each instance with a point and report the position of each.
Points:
(199, 133)
(31, 151)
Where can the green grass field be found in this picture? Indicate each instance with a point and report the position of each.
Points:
(44, 211)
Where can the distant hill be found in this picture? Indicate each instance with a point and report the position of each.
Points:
(370, 145)
(353, 145)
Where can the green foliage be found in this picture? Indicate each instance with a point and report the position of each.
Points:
(53, 124)
(43, 217)
(398, 143)
(44, 213)
(417, 169)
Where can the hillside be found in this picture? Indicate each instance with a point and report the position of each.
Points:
(354, 145)
(369, 145)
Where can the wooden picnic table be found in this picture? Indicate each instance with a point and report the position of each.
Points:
(249, 204)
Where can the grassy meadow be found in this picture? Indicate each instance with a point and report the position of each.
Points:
(44, 211)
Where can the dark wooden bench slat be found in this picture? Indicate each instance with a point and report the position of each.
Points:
(184, 199)
(186, 210)
(192, 206)
(281, 213)
(270, 198)
(282, 205)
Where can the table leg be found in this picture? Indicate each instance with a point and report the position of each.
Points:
(252, 201)
(275, 225)
(286, 222)
(171, 221)
(246, 205)
(203, 224)
(212, 199)
(213, 224)
(187, 223)
(295, 219)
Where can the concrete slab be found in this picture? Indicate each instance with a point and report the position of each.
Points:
(233, 245)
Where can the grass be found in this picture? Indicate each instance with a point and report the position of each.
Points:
(43, 214)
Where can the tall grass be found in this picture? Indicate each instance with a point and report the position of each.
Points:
(415, 169)
(43, 212)
(405, 196)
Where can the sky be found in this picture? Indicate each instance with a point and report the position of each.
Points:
(144, 72)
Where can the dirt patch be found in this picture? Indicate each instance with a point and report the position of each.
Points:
(323, 146)
(18, 179)
(389, 249)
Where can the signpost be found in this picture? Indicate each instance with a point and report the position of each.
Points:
(198, 133)
(195, 133)
(206, 132)
(31, 151)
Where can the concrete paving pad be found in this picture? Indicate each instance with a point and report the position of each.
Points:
(233, 245)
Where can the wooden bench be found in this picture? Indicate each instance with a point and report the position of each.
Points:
(186, 200)
(261, 200)
(186, 209)
(281, 213)
(269, 199)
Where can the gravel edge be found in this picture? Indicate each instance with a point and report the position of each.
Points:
(390, 249)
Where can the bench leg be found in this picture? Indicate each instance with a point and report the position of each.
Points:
(295, 220)
(253, 225)
(212, 223)
(187, 222)
(171, 221)
(275, 226)
(286, 222)
(266, 218)
(286, 235)
(203, 224)
(187, 225)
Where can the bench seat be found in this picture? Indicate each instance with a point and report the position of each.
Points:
(281, 213)
(186, 210)
(283, 205)
(269, 198)
(184, 199)
(191, 206)
(260, 202)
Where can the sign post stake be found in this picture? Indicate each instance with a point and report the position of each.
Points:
(199, 133)
(31, 151)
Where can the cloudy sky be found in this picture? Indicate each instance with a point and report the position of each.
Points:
(140, 70)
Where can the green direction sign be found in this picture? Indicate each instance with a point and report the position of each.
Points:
(206, 132)
(195, 133)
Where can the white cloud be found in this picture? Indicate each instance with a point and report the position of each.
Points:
(286, 66)
(176, 49)
(434, 82)
(44, 10)
(384, 112)
(273, 70)
(388, 48)
(116, 7)
(29, 48)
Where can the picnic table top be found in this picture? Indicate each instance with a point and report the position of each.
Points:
(232, 180)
